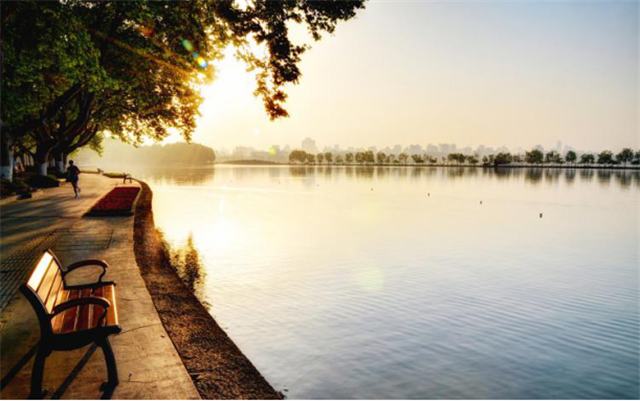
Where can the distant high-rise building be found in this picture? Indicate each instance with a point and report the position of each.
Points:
(309, 146)
(415, 149)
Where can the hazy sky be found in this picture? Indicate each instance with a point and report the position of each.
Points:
(496, 73)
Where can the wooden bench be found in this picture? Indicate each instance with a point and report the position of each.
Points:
(71, 316)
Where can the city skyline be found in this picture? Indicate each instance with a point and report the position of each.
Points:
(280, 152)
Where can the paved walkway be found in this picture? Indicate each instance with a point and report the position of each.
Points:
(148, 364)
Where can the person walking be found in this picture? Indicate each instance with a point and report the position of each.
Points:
(74, 176)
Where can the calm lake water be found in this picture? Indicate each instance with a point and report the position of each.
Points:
(418, 282)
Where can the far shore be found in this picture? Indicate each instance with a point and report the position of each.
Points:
(516, 166)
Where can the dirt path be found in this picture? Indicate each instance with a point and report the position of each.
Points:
(218, 368)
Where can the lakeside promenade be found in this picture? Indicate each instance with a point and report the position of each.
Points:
(148, 364)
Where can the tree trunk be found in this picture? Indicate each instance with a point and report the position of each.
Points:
(6, 156)
(41, 159)
(60, 162)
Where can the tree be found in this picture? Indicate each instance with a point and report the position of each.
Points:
(625, 156)
(329, 157)
(587, 158)
(369, 157)
(320, 157)
(349, 157)
(517, 158)
(535, 156)
(417, 159)
(502, 158)
(381, 157)
(571, 157)
(339, 159)
(360, 157)
(605, 157)
(298, 156)
(473, 159)
(403, 158)
(311, 158)
(553, 157)
(636, 158)
(488, 160)
(61, 60)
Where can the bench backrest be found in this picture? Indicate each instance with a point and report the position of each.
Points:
(43, 288)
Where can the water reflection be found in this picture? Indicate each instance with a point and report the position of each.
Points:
(185, 259)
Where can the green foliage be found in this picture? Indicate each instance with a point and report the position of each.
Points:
(74, 68)
(488, 160)
(320, 157)
(502, 158)
(587, 158)
(571, 157)
(553, 157)
(328, 157)
(625, 156)
(458, 158)
(311, 158)
(298, 156)
(349, 157)
(535, 156)
(606, 157)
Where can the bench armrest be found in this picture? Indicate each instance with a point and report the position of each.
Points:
(88, 262)
(82, 301)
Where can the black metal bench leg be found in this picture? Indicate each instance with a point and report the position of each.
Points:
(112, 370)
(37, 374)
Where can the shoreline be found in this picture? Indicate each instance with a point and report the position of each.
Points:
(542, 166)
(218, 368)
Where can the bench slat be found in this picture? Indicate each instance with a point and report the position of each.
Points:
(97, 311)
(84, 312)
(56, 324)
(54, 294)
(47, 281)
(70, 315)
(112, 313)
(39, 271)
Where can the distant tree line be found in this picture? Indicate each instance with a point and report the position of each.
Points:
(534, 157)
(170, 154)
